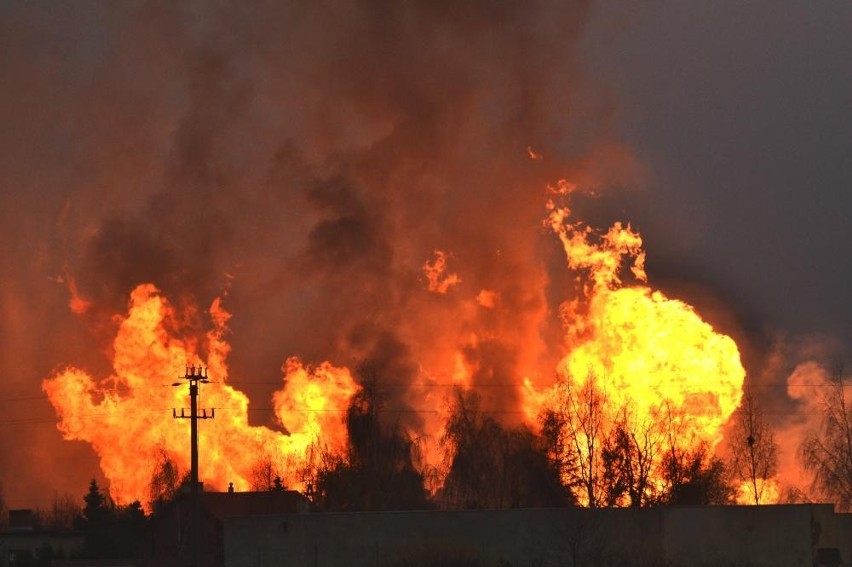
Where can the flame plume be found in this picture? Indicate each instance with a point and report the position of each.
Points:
(126, 417)
(648, 357)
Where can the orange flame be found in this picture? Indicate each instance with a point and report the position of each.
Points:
(534, 155)
(123, 416)
(438, 280)
(488, 298)
(768, 492)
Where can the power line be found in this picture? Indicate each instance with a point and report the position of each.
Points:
(414, 386)
(23, 398)
(56, 420)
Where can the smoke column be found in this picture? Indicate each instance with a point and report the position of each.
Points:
(309, 158)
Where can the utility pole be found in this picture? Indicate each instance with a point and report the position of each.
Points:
(195, 375)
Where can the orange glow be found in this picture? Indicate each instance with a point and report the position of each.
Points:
(127, 416)
(438, 280)
(768, 492)
(77, 303)
(534, 155)
(487, 298)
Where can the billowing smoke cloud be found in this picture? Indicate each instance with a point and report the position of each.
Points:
(309, 157)
(806, 371)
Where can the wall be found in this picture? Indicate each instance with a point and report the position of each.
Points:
(679, 536)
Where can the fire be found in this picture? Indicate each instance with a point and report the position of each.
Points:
(648, 351)
(651, 358)
(768, 491)
(648, 356)
(126, 417)
(310, 405)
(438, 280)
(534, 155)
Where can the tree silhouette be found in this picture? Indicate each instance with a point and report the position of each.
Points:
(690, 473)
(377, 472)
(754, 453)
(96, 509)
(630, 455)
(268, 472)
(609, 456)
(576, 425)
(165, 480)
(695, 478)
(112, 532)
(827, 453)
(62, 512)
(492, 467)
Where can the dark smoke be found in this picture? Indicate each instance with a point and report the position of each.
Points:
(310, 156)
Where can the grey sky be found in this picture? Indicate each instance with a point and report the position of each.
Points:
(741, 113)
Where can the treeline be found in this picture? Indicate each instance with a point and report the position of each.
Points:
(486, 464)
(584, 451)
(576, 457)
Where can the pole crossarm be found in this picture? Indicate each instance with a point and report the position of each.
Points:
(202, 415)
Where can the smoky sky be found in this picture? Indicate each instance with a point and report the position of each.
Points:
(308, 158)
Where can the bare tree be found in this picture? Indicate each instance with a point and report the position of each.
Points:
(63, 512)
(754, 453)
(268, 472)
(308, 472)
(629, 457)
(827, 453)
(575, 431)
(473, 457)
(676, 456)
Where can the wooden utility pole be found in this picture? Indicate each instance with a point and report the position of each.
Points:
(195, 375)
